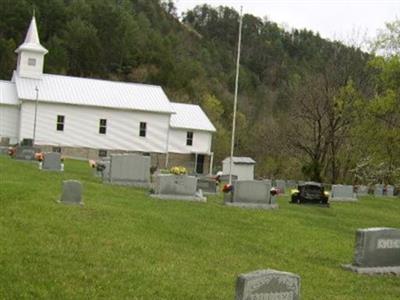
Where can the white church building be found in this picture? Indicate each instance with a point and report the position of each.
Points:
(88, 118)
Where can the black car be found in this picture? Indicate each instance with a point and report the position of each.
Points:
(310, 192)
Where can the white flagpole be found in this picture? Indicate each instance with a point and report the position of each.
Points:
(236, 93)
(35, 117)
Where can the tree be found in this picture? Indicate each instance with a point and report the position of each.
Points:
(388, 40)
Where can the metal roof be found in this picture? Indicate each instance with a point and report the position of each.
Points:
(93, 92)
(189, 116)
(8, 93)
(240, 160)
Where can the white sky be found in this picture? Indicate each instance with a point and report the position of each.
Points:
(351, 21)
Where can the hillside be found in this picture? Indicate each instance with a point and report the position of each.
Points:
(297, 92)
(122, 244)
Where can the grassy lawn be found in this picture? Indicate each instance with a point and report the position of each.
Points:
(124, 245)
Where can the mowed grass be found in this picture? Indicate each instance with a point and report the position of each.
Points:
(122, 244)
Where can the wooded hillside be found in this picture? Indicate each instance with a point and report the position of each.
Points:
(308, 108)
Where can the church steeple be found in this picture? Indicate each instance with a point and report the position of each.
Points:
(31, 54)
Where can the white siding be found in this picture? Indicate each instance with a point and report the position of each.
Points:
(201, 141)
(242, 171)
(81, 128)
(26, 70)
(9, 120)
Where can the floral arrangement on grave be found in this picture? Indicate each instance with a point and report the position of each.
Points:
(39, 156)
(178, 170)
(227, 188)
(11, 151)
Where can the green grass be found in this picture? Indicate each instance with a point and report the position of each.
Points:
(125, 245)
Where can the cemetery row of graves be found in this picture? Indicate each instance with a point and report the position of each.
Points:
(376, 249)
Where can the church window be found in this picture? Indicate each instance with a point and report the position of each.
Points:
(189, 138)
(103, 126)
(60, 122)
(142, 130)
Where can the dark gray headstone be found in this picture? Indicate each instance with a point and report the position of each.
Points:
(207, 185)
(25, 153)
(377, 247)
(71, 192)
(377, 252)
(268, 284)
(52, 161)
(378, 190)
(251, 194)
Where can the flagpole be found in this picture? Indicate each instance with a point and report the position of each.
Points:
(35, 116)
(235, 99)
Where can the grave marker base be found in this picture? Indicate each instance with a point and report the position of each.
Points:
(373, 271)
(252, 205)
(179, 198)
(139, 184)
(343, 199)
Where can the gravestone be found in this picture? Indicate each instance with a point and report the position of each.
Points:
(280, 185)
(362, 190)
(291, 184)
(25, 153)
(268, 181)
(343, 193)
(377, 251)
(176, 187)
(379, 190)
(389, 191)
(103, 169)
(225, 178)
(268, 284)
(52, 161)
(71, 192)
(207, 185)
(130, 169)
(251, 194)
(3, 150)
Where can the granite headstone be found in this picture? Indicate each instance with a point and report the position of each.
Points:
(71, 192)
(130, 169)
(377, 251)
(25, 153)
(207, 185)
(389, 191)
(268, 284)
(379, 190)
(343, 193)
(362, 190)
(176, 187)
(52, 161)
(280, 185)
(251, 194)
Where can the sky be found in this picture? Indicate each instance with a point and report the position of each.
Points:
(351, 21)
